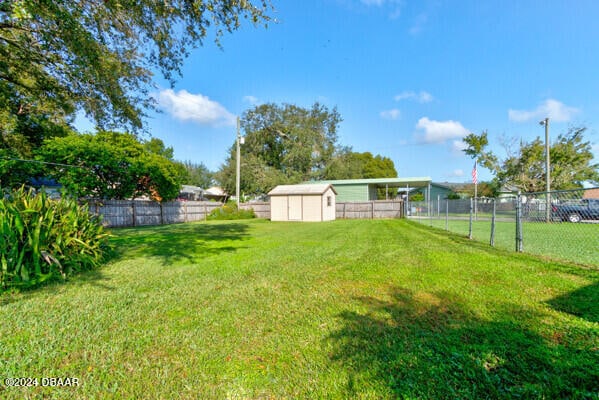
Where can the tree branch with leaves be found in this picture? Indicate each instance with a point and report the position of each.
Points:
(572, 162)
(99, 56)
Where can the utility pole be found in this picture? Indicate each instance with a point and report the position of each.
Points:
(545, 122)
(238, 170)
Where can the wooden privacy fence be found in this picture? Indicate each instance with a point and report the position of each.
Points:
(121, 213)
(347, 210)
(262, 209)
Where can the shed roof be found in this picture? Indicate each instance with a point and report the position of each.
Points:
(318, 188)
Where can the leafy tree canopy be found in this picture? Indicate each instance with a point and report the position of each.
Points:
(571, 162)
(156, 146)
(351, 165)
(97, 56)
(283, 144)
(111, 165)
(197, 175)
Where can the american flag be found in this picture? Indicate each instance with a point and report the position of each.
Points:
(474, 174)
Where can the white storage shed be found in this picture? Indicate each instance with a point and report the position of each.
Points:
(308, 202)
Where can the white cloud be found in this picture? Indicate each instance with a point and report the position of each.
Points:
(421, 97)
(555, 110)
(440, 131)
(198, 108)
(419, 23)
(395, 6)
(252, 100)
(392, 114)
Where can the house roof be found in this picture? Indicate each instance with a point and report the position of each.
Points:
(382, 182)
(191, 189)
(316, 188)
(215, 191)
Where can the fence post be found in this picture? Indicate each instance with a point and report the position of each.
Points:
(161, 214)
(519, 223)
(205, 212)
(372, 209)
(430, 212)
(492, 239)
(446, 214)
(470, 223)
(133, 212)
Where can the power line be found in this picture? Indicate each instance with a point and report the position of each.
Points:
(43, 162)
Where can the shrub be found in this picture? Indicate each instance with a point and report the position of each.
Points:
(230, 211)
(41, 238)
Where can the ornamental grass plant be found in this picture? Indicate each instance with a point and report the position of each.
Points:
(44, 239)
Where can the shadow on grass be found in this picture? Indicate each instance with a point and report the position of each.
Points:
(93, 277)
(178, 243)
(423, 345)
(583, 303)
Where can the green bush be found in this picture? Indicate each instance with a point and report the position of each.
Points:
(42, 239)
(230, 211)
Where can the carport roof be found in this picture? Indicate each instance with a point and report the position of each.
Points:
(318, 188)
(383, 182)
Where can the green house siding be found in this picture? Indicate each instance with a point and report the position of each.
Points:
(436, 192)
(352, 192)
(366, 189)
(439, 192)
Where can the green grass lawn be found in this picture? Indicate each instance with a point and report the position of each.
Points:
(566, 241)
(339, 310)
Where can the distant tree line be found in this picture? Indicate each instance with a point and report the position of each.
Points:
(571, 156)
(288, 144)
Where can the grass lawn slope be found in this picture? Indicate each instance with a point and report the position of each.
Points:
(343, 309)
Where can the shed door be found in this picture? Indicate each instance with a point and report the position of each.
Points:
(294, 205)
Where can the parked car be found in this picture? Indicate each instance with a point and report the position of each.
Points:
(576, 211)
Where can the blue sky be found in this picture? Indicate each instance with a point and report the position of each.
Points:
(410, 78)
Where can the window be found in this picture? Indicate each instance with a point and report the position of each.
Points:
(329, 201)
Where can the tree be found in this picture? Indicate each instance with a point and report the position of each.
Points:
(21, 134)
(283, 144)
(60, 57)
(347, 164)
(98, 56)
(466, 190)
(571, 162)
(476, 149)
(111, 165)
(156, 146)
(198, 175)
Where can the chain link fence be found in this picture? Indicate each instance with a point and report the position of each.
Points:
(559, 224)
